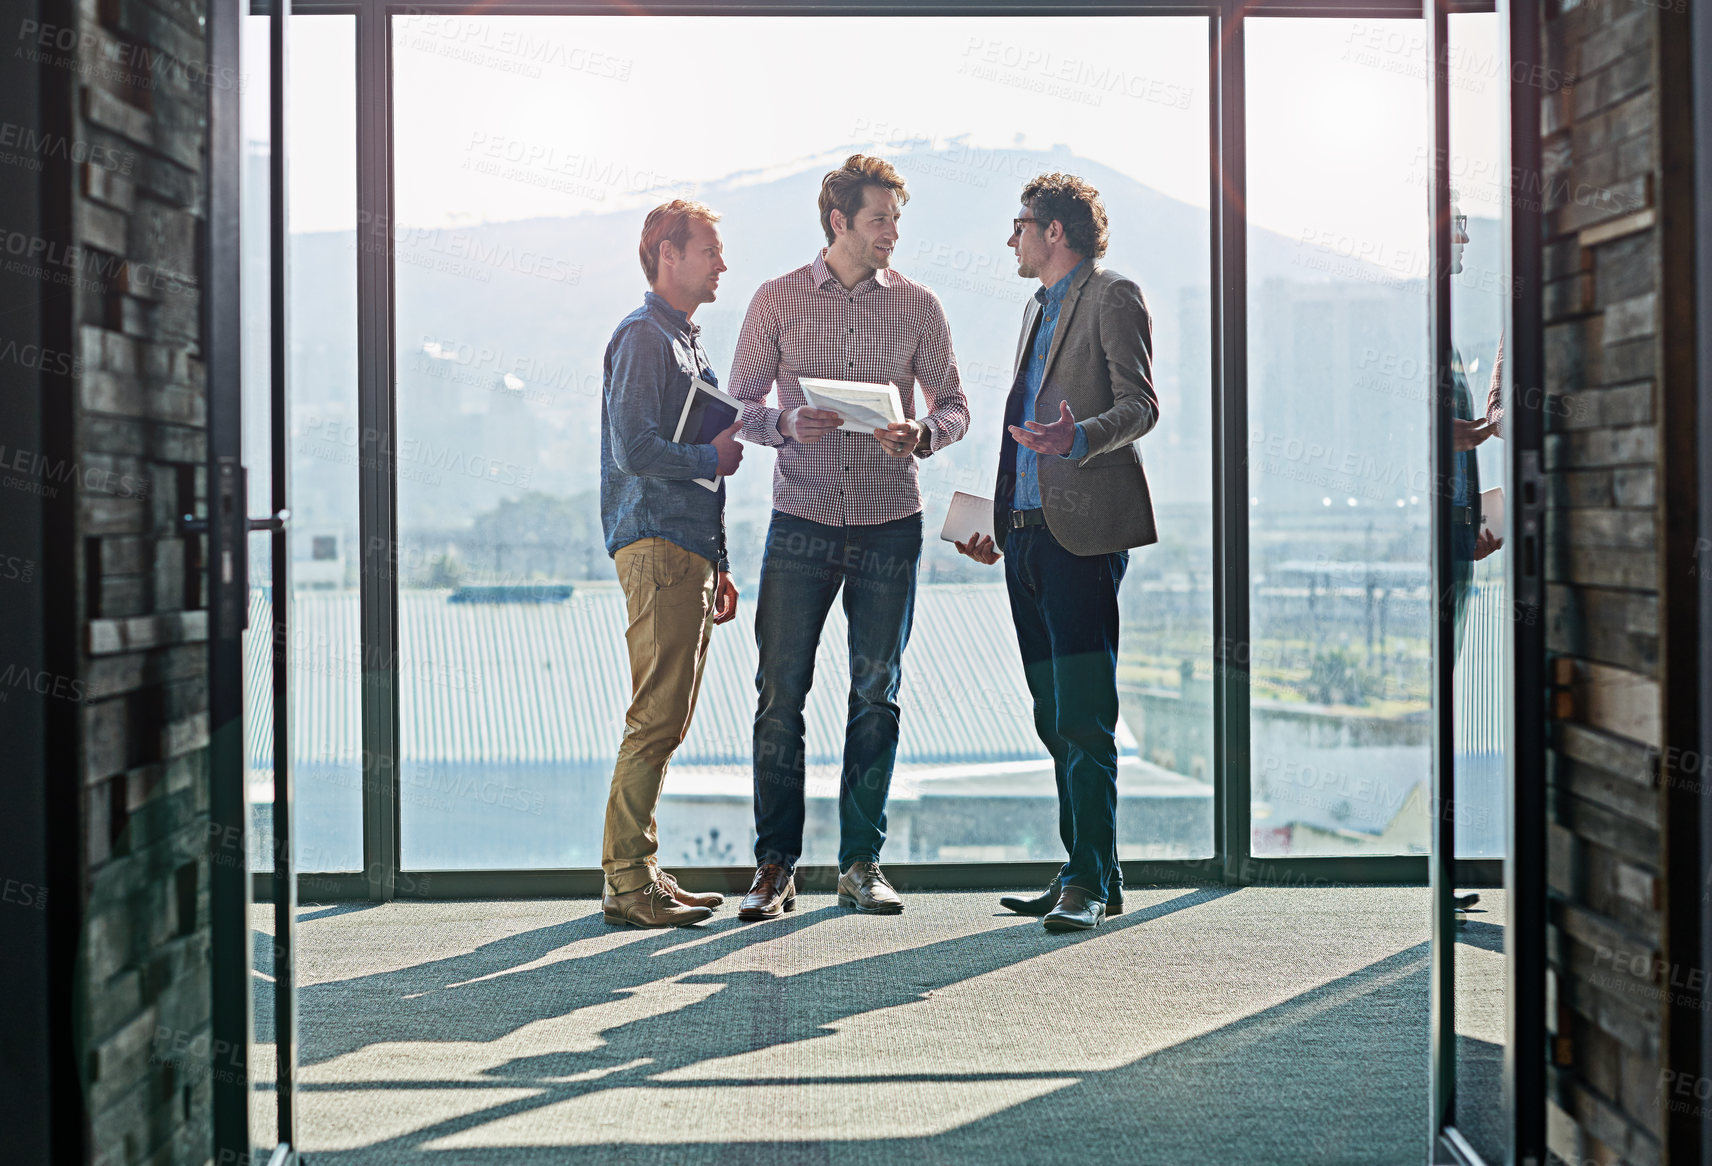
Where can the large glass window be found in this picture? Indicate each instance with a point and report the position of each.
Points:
(526, 153)
(325, 659)
(1339, 497)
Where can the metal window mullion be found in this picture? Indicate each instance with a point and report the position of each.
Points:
(1524, 1076)
(377, 503)
(231, 1015)
(1230, 425)
(1441, 819)
(285, 886)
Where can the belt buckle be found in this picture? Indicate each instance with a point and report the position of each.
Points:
(1016, 520)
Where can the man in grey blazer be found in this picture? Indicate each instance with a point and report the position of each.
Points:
(1070, 501)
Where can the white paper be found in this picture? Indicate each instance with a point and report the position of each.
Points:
(967, 516)
(864, 407)
(1492, 511)
(690, 417)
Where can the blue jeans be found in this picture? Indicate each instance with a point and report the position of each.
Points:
(1066, 611)
(805, 565)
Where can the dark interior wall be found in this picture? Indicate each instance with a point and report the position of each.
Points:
(39, 804)
(103, 699)
(1623, 775)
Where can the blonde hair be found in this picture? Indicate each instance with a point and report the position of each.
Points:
(672, 223)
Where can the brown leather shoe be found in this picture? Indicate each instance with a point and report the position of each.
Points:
(773, 892)
(1077, 910)
(866, 889)
(650, 906)
(689, 898)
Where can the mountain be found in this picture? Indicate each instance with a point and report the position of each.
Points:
(502, 328)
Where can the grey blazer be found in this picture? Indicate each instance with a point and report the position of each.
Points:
(1101, 361)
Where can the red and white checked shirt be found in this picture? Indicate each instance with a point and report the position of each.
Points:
(886, 328)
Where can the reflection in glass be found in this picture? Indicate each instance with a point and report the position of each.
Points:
(518, 217)
(1477, 85)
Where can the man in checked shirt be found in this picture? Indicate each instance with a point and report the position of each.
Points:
(846, 516)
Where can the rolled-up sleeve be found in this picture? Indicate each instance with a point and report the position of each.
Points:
(1126, 337)
(754, 369)
(1495, 394)
(935, 367)
(641, 365)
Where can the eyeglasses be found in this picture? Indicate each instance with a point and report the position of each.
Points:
(1018, 224)
(1460, 222)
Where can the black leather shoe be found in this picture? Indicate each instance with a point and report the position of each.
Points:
(1076, 911)
(1466, 900)
(773, 892)
(1041, 904)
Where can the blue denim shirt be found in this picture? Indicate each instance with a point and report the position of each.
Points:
(646, 489)
(1051, 299)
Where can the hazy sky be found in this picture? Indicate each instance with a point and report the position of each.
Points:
(590, 113)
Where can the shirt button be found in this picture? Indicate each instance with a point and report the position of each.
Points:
(851, 363)
(853, 329)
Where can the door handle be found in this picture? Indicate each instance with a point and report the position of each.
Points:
(190, 524)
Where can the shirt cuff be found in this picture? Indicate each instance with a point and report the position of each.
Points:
(709, 461)
(929, 439)
(1080, 448)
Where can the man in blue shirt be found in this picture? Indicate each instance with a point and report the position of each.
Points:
(666, 532)
(1070, 501)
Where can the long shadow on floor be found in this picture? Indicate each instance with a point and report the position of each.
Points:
(1336, 1074)
(487, 993)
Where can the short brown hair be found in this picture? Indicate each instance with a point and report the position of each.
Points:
(841, 190)
(671, 223)
(1073, 202)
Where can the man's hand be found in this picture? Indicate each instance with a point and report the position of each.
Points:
(901, 437)
(1056, 439)
(808, 425)
(729, 449)
(1485, 543)
(979, 548)
(1465, 435)
(724, 599)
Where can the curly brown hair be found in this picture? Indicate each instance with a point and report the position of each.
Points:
(1072, 201)
(841, 189)
(670, 222)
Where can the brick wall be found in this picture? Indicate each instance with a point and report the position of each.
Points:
(1610, 393)
(140, 100)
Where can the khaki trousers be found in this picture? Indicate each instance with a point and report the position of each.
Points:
(670, 595)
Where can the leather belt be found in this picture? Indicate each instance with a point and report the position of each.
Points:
(1022, 518)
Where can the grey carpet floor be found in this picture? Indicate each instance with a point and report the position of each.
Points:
(1255, 1026)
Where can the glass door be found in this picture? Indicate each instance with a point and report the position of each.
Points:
(1487, 999)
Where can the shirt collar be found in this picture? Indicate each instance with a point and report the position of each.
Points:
(658, 302)
(1055, 293)
(819, 272)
